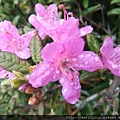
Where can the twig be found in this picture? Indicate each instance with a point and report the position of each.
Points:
(109, 96)
(80, 12)
(95, 24)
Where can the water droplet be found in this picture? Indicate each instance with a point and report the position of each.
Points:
(114, 66)
(67, 60)
(86, 62)
(65, 90)
(96, 59)
(2, 29)
(13, 40)
(54, 77)
(47, 72)
(81, 56)
(89, 54)
(57, 71)
(62, 80)
(74, 59)
(76, 87)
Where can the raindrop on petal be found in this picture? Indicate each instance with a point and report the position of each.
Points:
(96, 59)
(57, 71)
(62, 80)
(74, 59)
(65, 90)
(86, 62)
(81, 56)
(89, 54)
(114, 66)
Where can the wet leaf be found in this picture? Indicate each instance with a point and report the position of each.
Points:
(91, 9)
(85, 3)
(114, 1)
(93, 43)
(115, 11)
(11, 62)
(35, 48)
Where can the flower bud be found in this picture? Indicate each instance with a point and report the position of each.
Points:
(30, 90)
(34, 100)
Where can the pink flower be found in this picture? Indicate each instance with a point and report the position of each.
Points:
(111, 56)
(5, 74)
(11, 41)
(61, 61)
(47, 22)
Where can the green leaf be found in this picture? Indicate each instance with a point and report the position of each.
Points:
(91, 9)
(85, 3)
(115, 11)
(93, 43)
(35, 48)
(15, 83)
(16, 20)
(11, 62)
(53, 100)
(89, 75)
(6, 82)
(114, 1)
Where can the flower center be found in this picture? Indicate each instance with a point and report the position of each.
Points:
(66, 69)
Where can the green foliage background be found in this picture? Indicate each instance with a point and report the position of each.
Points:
(104, 17)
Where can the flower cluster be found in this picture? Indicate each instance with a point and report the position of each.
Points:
(63, 58)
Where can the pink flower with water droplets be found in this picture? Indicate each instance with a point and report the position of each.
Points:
(111, 56)
(5, 74)
(61, 61)
(11, 41)
(47, 22)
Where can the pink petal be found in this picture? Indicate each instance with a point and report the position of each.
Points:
(52, 10)
(107, 46)
(52, 51)
(5, 74)
(65, 30)
(24, 87)
(85, 30)
(40, 9)
(44, 73)
(24, 54)
(71, 89)
(35, 22)
(112, 61)
(74, 47)
(113, 67)
(88, 61)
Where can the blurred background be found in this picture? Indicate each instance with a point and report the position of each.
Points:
(99, 95)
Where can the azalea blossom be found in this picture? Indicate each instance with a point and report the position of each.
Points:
(5, 74)
(47, 22)
(11, 41)
(111, 56)
(61, 61)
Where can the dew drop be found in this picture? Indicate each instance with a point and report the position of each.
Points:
(47, 72)
(67, 60)
(65, 90)
(54, 77)
(114, 66)
(86, 62)
(62, 80)
(13, 40)
(81, 56)
(2, 29)
(89, 54)
(96, 59)
(74, 59)
(76, 87)
(57, 71)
